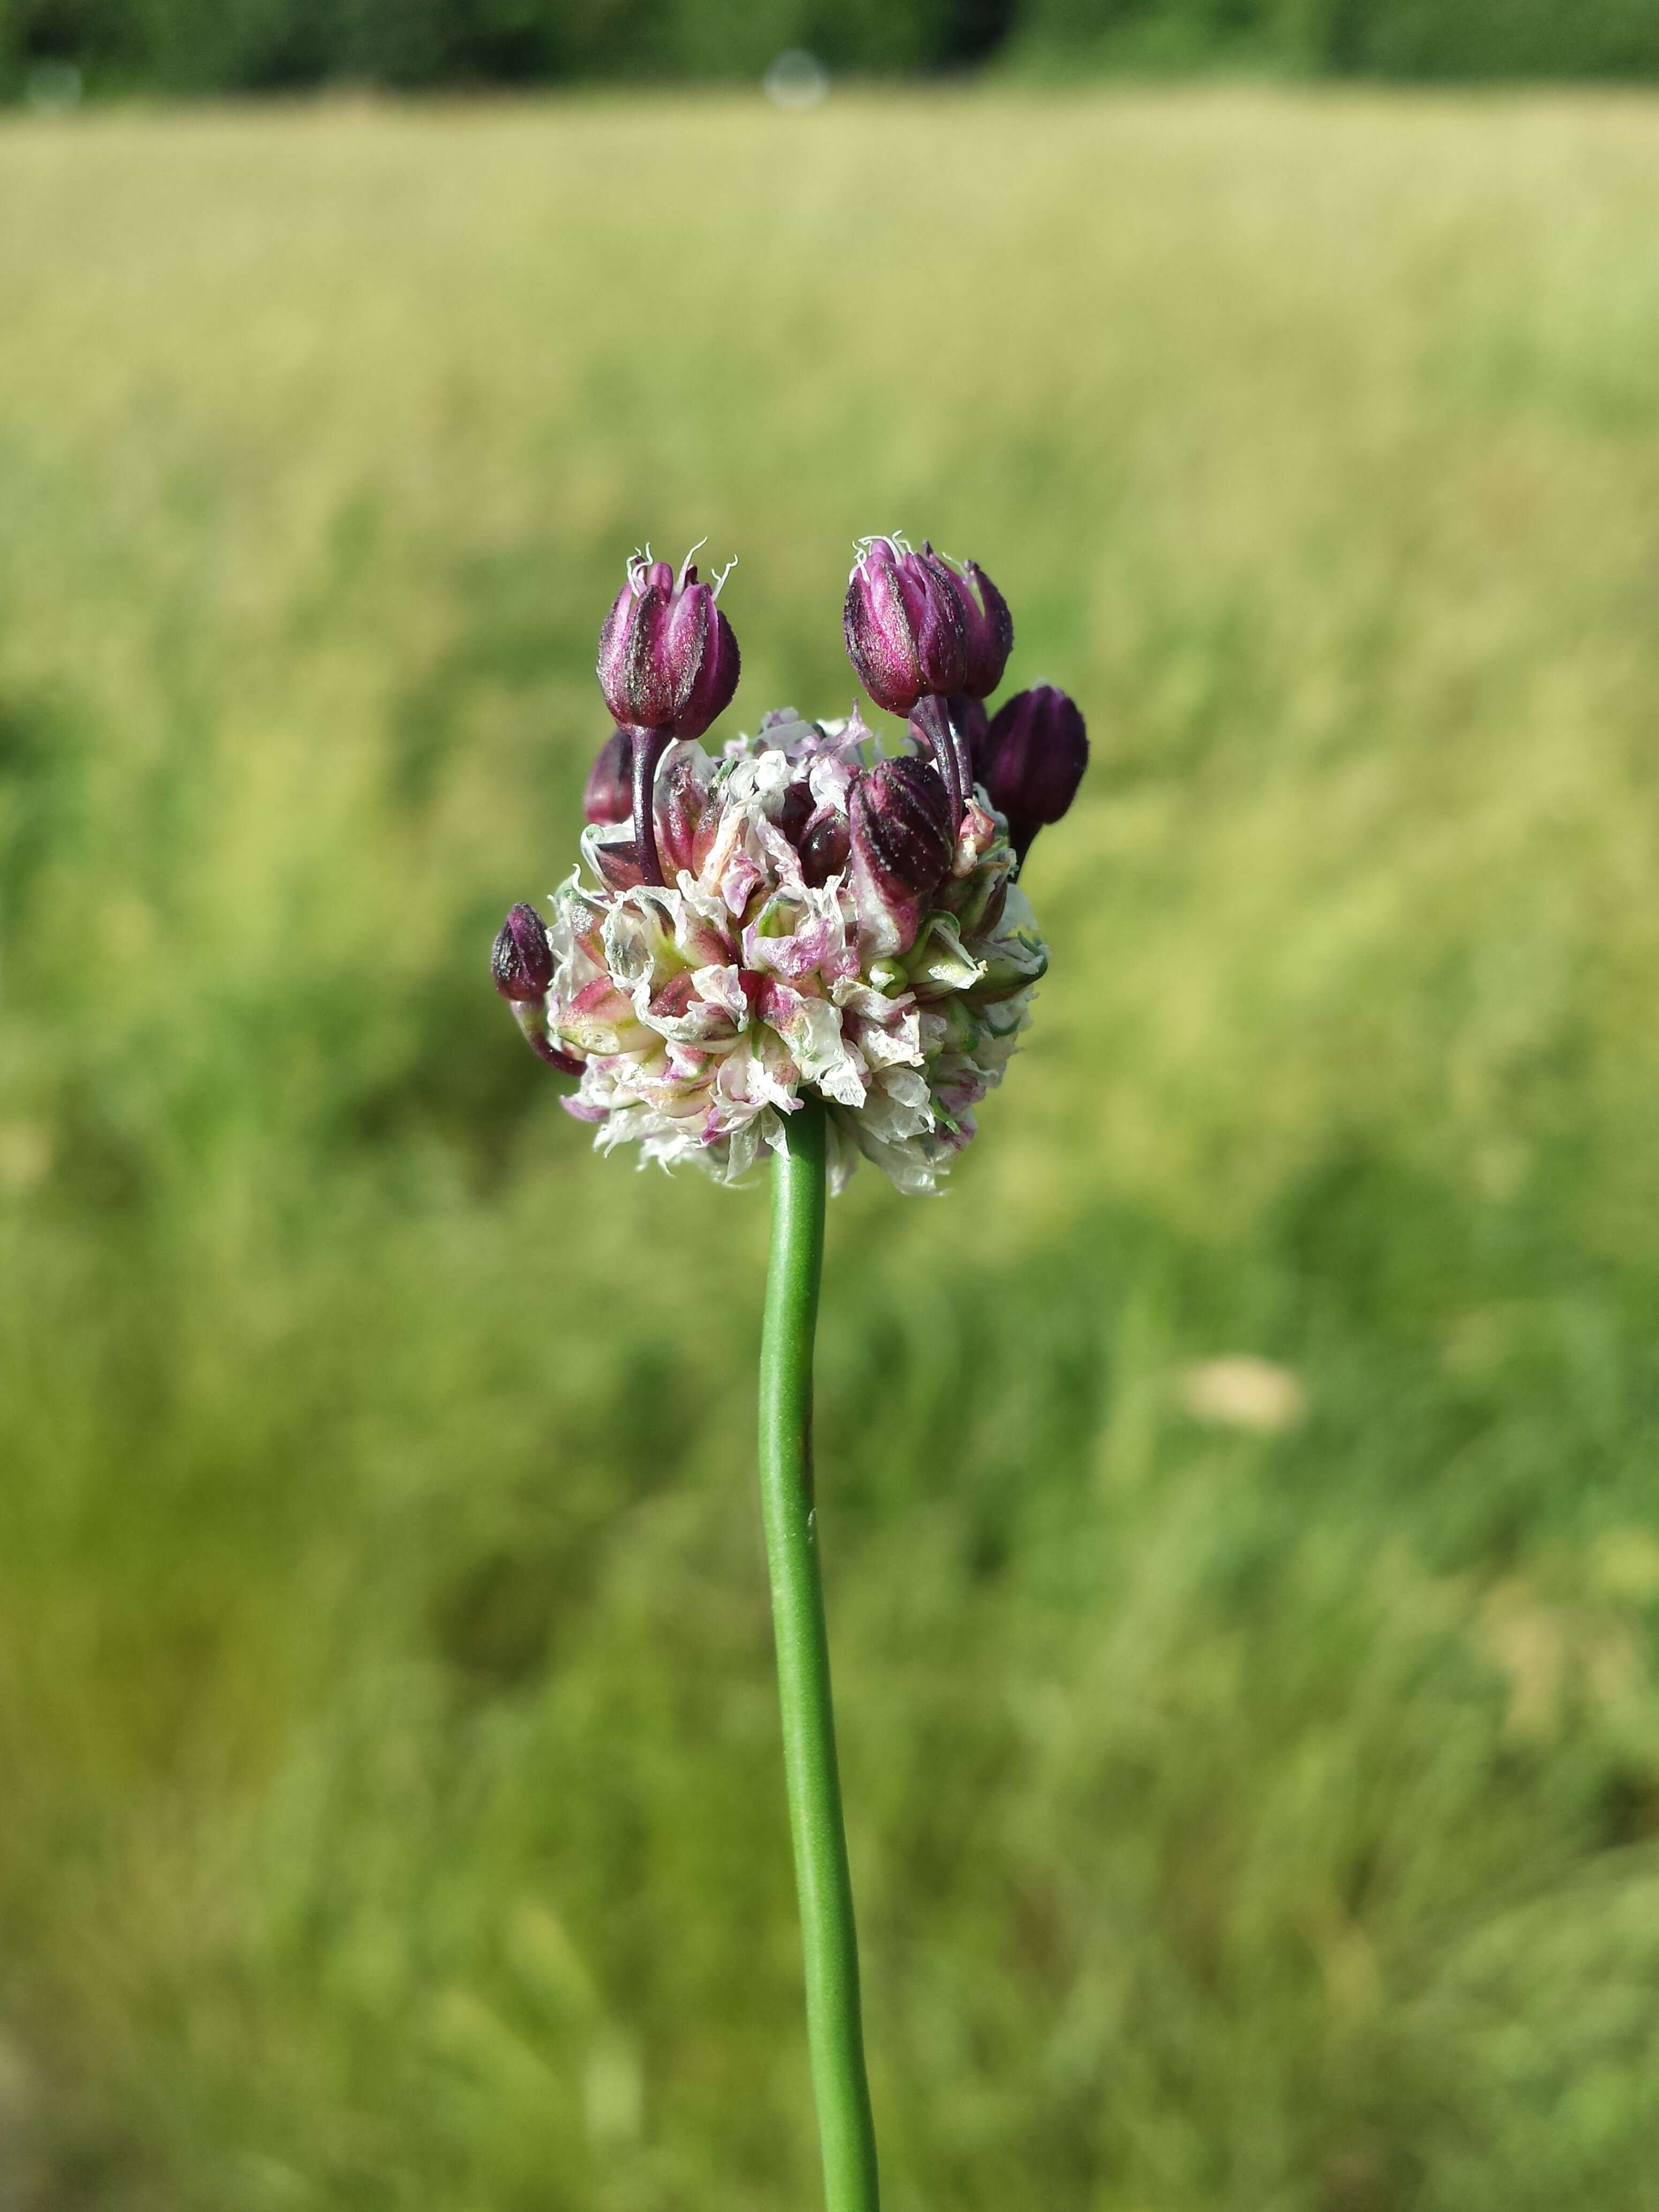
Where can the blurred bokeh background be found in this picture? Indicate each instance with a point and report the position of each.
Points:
(1239, 1492)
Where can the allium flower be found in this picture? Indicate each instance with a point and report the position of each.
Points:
(798, 918)
(869, 959)
(801, 946)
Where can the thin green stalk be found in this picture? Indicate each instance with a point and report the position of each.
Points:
(829, 1940)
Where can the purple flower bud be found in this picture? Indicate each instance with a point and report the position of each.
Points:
(987, 630)
(901, 825)
(903, 624)
(610, 794)
(617, 862)
(795, 812)
(522, 961)
(681, 808)
(667, 660)
(1038, 749)
(825, 843)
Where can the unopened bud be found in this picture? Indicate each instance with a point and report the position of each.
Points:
(903, 624)
(522, 961)
(668, 661)
(617, 862)
(825, 843)
(901, 825)
(987, 630)
(681, 807)
(1038, 749)
(795, 811)
(610, 794)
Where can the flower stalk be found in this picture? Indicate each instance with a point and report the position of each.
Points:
(798, 943)
(829, 1939)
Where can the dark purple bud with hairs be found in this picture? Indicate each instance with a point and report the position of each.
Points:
(668, 661)
(825, 843)
(902, 826)
(668, 664)
(610, 794)
(522, 961)
(903, 624)
(1037, 750)
(987, 630)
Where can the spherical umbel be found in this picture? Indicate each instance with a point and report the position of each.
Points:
(790, 917)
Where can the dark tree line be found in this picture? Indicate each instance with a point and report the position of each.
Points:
(210, 46)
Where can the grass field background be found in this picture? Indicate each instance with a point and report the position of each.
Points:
(391, 1807)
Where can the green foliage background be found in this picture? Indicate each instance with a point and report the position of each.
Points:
(1408, 39)
(199, 45)
(392, 1814)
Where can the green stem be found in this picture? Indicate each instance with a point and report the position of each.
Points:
(829, 1941)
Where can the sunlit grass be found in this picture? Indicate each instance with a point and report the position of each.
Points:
(1244, 1817)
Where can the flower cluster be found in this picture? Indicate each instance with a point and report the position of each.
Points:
(797, 914)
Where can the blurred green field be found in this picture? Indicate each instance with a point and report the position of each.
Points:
(391, 1812)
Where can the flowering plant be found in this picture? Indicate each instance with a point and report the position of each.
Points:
(798, 944)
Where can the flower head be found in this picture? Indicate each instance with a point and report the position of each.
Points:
(799, 916)
(872, 959)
